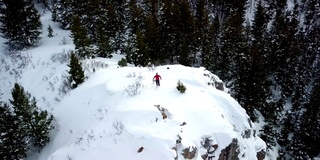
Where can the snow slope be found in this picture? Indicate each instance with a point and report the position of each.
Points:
(99, 119)
(117, 110)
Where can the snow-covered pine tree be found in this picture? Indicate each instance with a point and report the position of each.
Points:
(13, 144)
(62, 13)
(20, 23)
(76, 73)
(167, 22)
(50, 31)
(310, 125)
(184, 32)
(136, 50)
(151, 32)
(259, 74)
(202, 37)
(79, 33)
(33, 25)
(104, 46)
(34, 124)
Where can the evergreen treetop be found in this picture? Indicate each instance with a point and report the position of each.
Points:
(20, 23)
(76, 73)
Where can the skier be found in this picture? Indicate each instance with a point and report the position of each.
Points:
(157, 77)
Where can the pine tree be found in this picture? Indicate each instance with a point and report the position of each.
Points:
(281, 38)
(152, 39)
(137, 51)
(167, 29)
(279, 57)
(181, 87)
(233, 62)
(310, 10)
(108, 24)
(232, 43)
(310, 126)
(185, 34)
(33, 28)
(20, 23)
(34, 123)
(81, 41)
(152, 34)
(115, 24)
(258, 83)
(135, 44)
(203, 36)
(302, 118)
(50, 31)
(131, 49)
(76, 73)
(62, 13)
(300, 78)
(13, 140)
(90, 13)
(213, 46)
(10, 28)
(136, 18)
(269, 134)
(289, 138)
(104, 45)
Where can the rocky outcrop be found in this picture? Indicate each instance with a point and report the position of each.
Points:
(215, 81)
(208, 144)
(261, 155)
(231, 152)
(189, 153)
(163, 111)
(140, 149)
(219, 86)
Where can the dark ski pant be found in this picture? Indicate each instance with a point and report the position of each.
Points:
(158, 82)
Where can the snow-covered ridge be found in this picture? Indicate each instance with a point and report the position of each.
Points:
(101, 120)
(102, 117)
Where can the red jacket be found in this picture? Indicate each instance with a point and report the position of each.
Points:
(157, 77)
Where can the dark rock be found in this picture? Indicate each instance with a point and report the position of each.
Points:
(261, 155)
(189, 153)
(140, 149)
(231, 152)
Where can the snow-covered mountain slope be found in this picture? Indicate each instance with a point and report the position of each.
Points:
(101, 119)
(119, 114)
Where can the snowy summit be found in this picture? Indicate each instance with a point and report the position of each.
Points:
(105, 119)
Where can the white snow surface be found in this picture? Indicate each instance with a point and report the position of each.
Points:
(99, 120)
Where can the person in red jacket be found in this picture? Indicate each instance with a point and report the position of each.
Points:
(157, 77)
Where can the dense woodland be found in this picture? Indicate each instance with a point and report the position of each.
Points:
(270, 62)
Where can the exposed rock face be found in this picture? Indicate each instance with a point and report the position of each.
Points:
(219, 86)
(215, 81)
(162, 111)
(208, 144)
(189, 153)
(231, 152)
(247, 133)
(261, 155)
